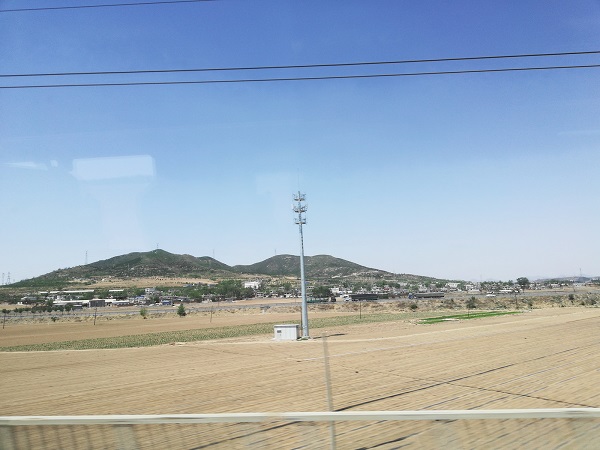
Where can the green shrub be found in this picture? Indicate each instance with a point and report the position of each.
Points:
(471, 303)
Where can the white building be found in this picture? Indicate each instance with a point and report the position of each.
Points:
(452, 286)
(252, 284)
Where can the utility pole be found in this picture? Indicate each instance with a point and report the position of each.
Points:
(300, 209)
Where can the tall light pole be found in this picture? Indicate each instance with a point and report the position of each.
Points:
(300, 209)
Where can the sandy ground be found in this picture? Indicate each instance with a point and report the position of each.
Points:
(540, 359)
(111, 282)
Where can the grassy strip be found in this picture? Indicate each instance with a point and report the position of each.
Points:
(474, 315)
(205, 334)
(146, 340)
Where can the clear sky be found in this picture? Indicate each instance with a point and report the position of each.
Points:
(473, 176)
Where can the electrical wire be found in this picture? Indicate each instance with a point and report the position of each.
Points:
(305, 66)
(110, 5)
(332, 77)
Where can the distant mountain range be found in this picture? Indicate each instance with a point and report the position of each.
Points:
(160, 263)
(576, 279)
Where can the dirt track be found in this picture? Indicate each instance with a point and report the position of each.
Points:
(540, 359)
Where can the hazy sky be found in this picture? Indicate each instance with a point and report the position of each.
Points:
(472, 176)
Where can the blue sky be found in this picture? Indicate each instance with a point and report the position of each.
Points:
(476, 176)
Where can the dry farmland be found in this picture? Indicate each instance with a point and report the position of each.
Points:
(544, 358)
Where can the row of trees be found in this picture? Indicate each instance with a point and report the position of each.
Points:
(39, 309)
(522, 283)
(224, 289)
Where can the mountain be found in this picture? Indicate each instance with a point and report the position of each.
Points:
(160, 263)
(156, 263)
(319, 266)
(576, 279)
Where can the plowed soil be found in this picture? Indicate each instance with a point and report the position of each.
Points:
(545, 358)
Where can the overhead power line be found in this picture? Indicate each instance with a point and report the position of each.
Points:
(304, 66)
(106, 5)
(333, 77)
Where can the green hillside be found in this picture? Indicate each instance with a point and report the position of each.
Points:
(160, 263)
(317, 267)
(156, 263)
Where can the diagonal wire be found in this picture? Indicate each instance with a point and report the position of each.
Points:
(109, 5)
(332, 77)
(306, 66)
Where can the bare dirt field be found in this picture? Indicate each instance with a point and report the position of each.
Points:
(544, 358)
(68, 329)
(111, 282)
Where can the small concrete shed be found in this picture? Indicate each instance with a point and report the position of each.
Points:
(287, 332)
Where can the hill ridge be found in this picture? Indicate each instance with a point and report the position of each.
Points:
(161, 263)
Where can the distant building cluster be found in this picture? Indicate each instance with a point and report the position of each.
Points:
(230, 290)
